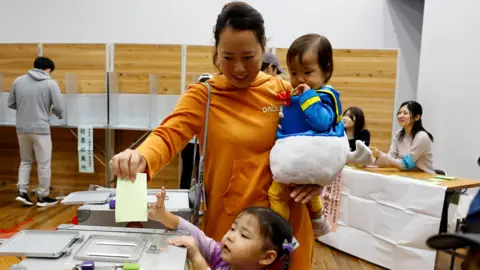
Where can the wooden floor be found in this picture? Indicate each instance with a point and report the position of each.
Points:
(14, 217)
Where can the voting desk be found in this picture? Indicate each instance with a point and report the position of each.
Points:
(73, 247)
(386, 216)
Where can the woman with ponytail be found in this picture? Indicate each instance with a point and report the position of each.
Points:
(411, 147)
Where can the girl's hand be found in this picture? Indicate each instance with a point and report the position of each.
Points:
(190, 243)
(301, 88)
(305, 193)
(127, 164)
(156, 211)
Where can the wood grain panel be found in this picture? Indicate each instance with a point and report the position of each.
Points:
(64, 159)
(135, 62)
(199, 61)
(455, 185)
(86, 61)
(167, 177)
(365, 79)
(15, 60)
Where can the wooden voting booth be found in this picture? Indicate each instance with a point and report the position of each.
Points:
(125, 90)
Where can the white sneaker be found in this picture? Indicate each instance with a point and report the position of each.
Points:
(23, 197)
(320, 226)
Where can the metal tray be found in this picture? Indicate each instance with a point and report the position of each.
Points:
(39, 243)
(87, 197)
(112, 248)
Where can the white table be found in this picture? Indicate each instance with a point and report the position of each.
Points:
(386, 220)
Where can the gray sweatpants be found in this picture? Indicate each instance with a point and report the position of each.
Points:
(35, 147)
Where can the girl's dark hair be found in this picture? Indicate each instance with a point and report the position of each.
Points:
(274, 229)
(415, 109)
(239, 16)
(317, 44)
(358, 117)
(44, 63)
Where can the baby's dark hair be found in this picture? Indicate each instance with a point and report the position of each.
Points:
(274, 229)
(317, 44)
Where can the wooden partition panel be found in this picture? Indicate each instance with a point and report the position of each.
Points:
(365, 79)
(135, 62)
(65, 175)
(199, 61)
(167, 177)
(15, 60)
(86, 61)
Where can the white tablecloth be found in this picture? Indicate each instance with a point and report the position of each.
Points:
(386, 220)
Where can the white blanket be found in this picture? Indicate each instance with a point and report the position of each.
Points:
(308, 159)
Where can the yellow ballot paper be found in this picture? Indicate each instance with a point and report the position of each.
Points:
(131, 199)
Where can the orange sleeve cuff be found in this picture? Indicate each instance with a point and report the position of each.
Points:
(147, 171)
(149, 149)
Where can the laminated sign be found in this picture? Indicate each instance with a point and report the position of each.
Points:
(331, 196)
(85, 149)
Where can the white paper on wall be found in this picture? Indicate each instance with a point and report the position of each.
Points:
(85, 149)
(387, 219)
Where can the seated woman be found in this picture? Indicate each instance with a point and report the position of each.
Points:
(354, 123)
(411, 147)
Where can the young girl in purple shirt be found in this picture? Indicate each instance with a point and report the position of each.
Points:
(258, 238)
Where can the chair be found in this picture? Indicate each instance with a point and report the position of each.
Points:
(440, 171)
(460, 227)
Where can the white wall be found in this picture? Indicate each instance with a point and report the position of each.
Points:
(348, 23)
(403, 21)
(448, 86)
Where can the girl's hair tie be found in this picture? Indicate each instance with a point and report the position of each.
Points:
(288, 247)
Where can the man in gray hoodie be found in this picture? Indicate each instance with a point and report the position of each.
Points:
(34, 96)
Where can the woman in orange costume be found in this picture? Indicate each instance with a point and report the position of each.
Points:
(242, 125)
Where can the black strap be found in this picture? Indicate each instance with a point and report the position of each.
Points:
(200, 189)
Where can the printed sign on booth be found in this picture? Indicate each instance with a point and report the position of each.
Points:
(331, 196)
(85, 149)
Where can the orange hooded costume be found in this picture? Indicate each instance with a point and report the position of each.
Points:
(241, 132)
